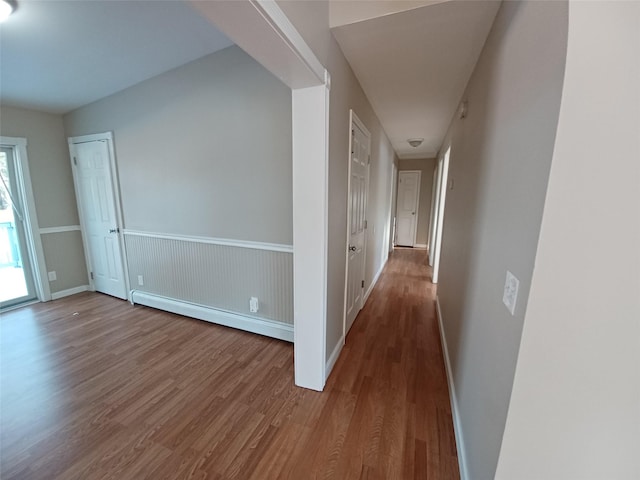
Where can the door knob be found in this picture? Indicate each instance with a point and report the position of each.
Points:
(352, 248)
(114, 230)
(413, 213)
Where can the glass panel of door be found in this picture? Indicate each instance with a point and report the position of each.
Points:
(16, 274)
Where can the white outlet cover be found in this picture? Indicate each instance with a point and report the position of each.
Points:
(510, 295)
(52, 276)
(253, 305)
(140, 280)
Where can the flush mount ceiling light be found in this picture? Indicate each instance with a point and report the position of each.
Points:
(7, 7)
(415, 142)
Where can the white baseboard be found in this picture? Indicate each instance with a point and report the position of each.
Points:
(420, 245)
(69, 291)
(267, 328)
(373, 283)
(457, 427)
(333, 358)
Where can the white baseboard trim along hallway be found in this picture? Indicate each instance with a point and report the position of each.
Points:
(457, 427)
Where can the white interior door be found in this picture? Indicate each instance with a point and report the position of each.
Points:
(96, 194)
(358, 185)
(407, 207)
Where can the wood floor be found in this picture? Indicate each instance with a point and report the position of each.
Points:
(94, 388)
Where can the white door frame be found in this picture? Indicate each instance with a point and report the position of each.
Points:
(432, 213)
(442, 199)
(34, 242)
(355, 120)
(416, 216)
(393, 207)
(115, 191)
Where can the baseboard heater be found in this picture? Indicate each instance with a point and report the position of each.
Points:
(267, 328)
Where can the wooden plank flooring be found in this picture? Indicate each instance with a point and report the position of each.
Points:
(93, 388)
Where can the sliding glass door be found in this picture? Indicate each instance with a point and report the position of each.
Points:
(16, 274)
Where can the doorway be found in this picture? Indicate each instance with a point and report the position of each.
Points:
(442, 174)
(356, 219)
(94, 177)
(22, 267)
(17, 284)
(407, 207)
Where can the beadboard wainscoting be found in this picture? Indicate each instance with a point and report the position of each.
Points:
(217, 274)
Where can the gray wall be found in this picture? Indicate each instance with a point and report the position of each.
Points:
(426, 167)
(53, 191)
(500, 160)
(575, 405)
(311, 19)
(204, 149)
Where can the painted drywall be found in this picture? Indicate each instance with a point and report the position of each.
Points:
(426, 167)
(64, 254)
(53, 192)
(500, 160)
(49, 163)
(575, 406)
(204, 149)
(311, 19)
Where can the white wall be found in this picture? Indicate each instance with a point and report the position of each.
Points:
(499, 163)
(575, 406)
(311, 19)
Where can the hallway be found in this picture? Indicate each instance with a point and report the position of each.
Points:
(94, 388)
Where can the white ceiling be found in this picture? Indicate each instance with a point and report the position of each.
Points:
(414, 66)
(58, 55)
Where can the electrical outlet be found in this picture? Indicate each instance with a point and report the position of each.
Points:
(510, 295)
(52, 276)
(253, 304)
(140, 280)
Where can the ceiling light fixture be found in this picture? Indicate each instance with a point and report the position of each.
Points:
(415, 142)
(7, 7)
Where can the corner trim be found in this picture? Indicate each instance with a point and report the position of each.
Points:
(333, 358)
(274, 247)
(69, 291)
(267, 328)
(65, 228)
(457, 426)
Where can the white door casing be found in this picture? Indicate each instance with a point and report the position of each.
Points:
(434, 211)
(442, 195)
(93, 166)
(356, 219)
(407, 207)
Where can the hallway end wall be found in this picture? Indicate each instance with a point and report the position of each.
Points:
(426, 167)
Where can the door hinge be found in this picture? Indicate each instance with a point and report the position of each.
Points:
(362, 284)
(91, 275)
(75, 161)
(365, 224)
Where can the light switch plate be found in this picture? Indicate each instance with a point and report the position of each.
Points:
(510, 295)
